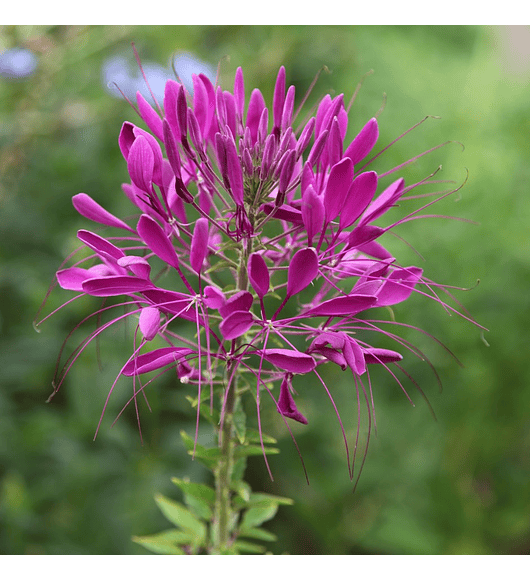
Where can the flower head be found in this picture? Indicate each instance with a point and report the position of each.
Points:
(260, 233)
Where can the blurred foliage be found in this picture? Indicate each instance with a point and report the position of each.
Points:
(458, 485)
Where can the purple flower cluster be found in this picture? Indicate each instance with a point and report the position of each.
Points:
(259, 234)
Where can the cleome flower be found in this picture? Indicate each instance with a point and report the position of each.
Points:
(260, 234)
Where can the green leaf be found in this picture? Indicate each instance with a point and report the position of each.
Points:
(255, 516)
(253, 437)
(167, 542)
(207, 456)
(238, 471)
(257, 534)
(246, 450)
(197, 496)
(177, 514)
(240, 421)
(263, 499)
(249, 547)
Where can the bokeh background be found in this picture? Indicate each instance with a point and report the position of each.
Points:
(456, 485)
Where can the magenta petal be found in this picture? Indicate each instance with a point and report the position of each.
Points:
(343, 306)
(293, 361)
(213, 297)
(156, 359)
(141, 163)
(240, 301)
(286, 405)
(157, 241)
(284, 212)
(364, 142)
(313, 213)
(354, 356)
(115, 285)
(137, 265)
(258, 274)
(364, 234)
(376, 251)
(256, 105)
(303, 269)
(278, 98)
(234, 171)
(199, 244)
(339, 182)
(236, 324)
(73, 278)
(239, 92)
(100, 245)
(173, 302)
(170, 105)
(88, 208)
(380, 355)
(398, 286)
(360, 194)
(150, 116)
(149, 322)
(384, 202)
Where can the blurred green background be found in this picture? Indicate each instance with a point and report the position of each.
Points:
(458, 485)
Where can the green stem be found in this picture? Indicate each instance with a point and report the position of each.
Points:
(223, 513)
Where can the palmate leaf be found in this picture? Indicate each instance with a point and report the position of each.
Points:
(167, 542)
(181, 517)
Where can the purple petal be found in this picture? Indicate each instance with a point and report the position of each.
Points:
(236, 324)
(173, 302)
(313, 213)
(126, 139)
(278, 98)
(339, 182)
(364, 142)
(240, 301)
(150, 116)
(288, 107)
(170, 105)
(239, 92)
(199, 244)
(73, 278)
(380, 355)
(258, 274)
(360, 194)
(284, 212)
(100, 245)
(303, 269)
(156, 359)
(399, 285)
(156, 240)
(293, 361)
(354, 356)
(214, 298)
(149, 322)
(115, 285)
(88, 208)
(141, 163)
(286, 405)
(256, 105)
(234, 171)
(137, 265)
(343, 306)
(363, 234)
(384, 202)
